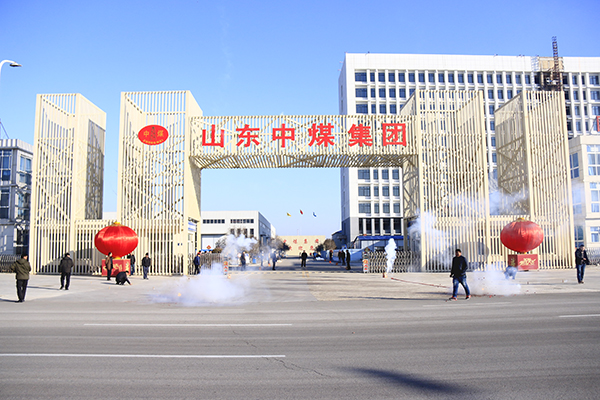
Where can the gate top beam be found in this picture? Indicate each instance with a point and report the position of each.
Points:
(304, 141)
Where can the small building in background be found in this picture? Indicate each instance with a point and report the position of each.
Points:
(15, 195)
(217, 224)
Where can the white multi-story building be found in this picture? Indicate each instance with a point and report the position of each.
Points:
(382, 83)
(15, 195)
(251, 224)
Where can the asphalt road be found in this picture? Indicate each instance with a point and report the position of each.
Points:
(111, 342)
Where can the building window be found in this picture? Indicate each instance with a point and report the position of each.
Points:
(508, 79)
(376, 208)
(595, 233)
(490, 78)
(392, 109)
(385, 174)
(401, 77)
(382, 109)
(493, 128)
(396, 191)
(582, 80)
(595, 95)
(392, 77)
(361, 92)
(441, 77)
(372, 76)
(574, 80)
(431, 77)
(577, 203)
(575, 95)
(402, 93)
(577, 110)
(364, 174)
(364, 208)
(386, 208)
(5, 156)
(392, 93)
(4, 203)
(528, 79)
(578, 236)
(411, 91)
(461, 78)
(493, 141)
(470, 78)
(494, 158)
(385, 191)
(595, 197)
(491, 94)
(500, 95)
(595, 110)
(375, 190)
(375, 174)
(386, 225)
(373, 109)
(499, 78)
(411, 76)
(382, 93)
(422, 77)
(594, 80)
(509, 94)
(362, 109)
(382, 77)
(360, 76)
(593, 160)
(578, 126)
(364, 191)
(372, 93)
(395, 174)
(450, 78)
(518, 79)
(396, 208)
(491, 109)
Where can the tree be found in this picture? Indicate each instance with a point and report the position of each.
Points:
(329, 244)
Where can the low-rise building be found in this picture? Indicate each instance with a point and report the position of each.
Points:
(217, 224)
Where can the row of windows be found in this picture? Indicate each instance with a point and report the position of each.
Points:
(594, 95)
(385, 174)
(213, 221)
(365, 191)
(370, 226)
(365, 208)
(441, 77)
(460, 78)
(242, 221)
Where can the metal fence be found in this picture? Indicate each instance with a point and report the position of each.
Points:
(406, 261)
(206, 261)
(6, 260)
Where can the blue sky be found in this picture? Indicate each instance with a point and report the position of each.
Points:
(253, 58)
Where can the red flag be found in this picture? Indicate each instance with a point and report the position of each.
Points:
(301, 212)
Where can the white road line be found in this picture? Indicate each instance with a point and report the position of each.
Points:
(191, 325)
(140, 355)
(579, 316)
(459, 303)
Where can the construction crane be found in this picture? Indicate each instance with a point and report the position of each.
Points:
(551, 69)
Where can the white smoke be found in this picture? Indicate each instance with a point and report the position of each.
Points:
(426, 223)
(235, 245)
(390, 250)
(492, 282)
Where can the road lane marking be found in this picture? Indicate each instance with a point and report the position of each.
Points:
(141, 355)
(192, 325)
(469, 304)
(579, 316)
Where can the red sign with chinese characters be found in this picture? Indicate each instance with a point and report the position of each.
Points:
(153, 135)
(524, 262)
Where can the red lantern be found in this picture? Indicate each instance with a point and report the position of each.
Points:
(522, 235)
(116, 238)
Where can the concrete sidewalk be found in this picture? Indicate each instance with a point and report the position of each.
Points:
(289, 283)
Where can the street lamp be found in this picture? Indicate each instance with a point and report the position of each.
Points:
(12, 64)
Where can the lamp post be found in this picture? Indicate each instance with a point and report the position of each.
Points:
(12, 64)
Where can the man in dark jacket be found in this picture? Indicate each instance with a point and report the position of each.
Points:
(303, 257)
(22, 268)
(121, 278)
(459, 274)
(197, 264)
(581, 260)
(66, 264)
(146, 262)
(131, 263)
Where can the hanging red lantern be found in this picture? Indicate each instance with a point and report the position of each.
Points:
(522, 235)
(116, 238)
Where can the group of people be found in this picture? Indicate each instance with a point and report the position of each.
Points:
(121, 277)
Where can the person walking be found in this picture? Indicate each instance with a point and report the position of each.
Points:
(330, 256)
(581, 260)
(146, 262)
(197, 264)
(131, 263)
(347, 259)
(109, 265)
(458, 273)
(342, 257)
(243, 261)
(274, 259)
(21, 268)
(303, 257)
(66, 264)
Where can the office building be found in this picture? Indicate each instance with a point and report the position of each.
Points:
(215, 225)
(382, 83)
(15, 195)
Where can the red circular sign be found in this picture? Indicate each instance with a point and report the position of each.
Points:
(153, 135)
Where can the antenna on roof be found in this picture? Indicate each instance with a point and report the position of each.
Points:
(3, 130)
